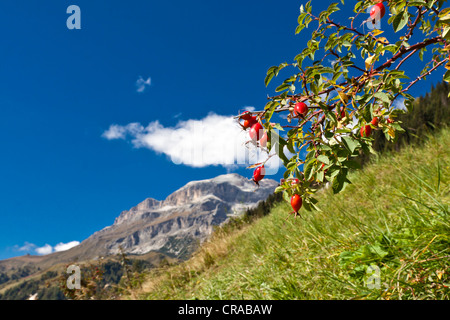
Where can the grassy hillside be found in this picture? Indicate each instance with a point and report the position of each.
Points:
(394, 217)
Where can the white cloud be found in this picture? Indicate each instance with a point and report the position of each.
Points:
(26, 247)
(65, 246)
(120, 132)
(332, 61)
(212, 141)
(46, 249)
(399, 103)
(142, 84)
(248, 108)
(114, 132)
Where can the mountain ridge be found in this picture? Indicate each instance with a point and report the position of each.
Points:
(173, 225)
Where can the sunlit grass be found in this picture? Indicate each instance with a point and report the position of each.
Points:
(394, 216)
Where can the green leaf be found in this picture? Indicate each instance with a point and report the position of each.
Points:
(400, 20)
(271, 108)
(324, 159)
(350, 143)
(299, 28)
(446, 33)
(382, 96)
(340, 181)
(357, 6)
(306, 206)
(352, 164)
(278, 127)
(282, 87)
(286, 196)
(291, 165)
(290, 146)
(447, 76)
(309, 170)
(417, 3)
(308, 6)
(311, 204)
(330, 116)
(392, 48)
(367, 113)
(320, 176)
(409, 105)
(273, 71)
(270, 74)
(279, 143)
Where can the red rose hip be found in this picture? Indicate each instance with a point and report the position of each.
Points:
(366, 130)
(296, 202)
(263, 140)
(250, 122)
(256, 131)
(301, 109)
(377, 11)
(375, 122)
(259, 173)
(246, 115)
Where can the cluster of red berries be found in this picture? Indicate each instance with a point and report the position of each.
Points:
(366, 130)
(256, 132)
(300, 110)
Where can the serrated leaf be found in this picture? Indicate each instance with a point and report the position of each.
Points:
(382, 96)
(330, 116)
(447, 76)
(340, 181)
(290, 147)
(282, 87)
(320, 176)
(400, 20)
(446, 33)
(369, 61)
(306, 206)
(291, 165)
(367, 113)
(299, 28)
(350, 143)
(309, 170)
(324, 159)
(268, 78)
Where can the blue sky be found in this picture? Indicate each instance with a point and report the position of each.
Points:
(168, 64)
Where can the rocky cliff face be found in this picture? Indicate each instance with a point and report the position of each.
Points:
(186, 216)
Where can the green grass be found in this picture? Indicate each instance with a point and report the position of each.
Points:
(394, 217)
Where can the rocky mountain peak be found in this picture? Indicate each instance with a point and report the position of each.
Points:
(189, 212)
(230, 188)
